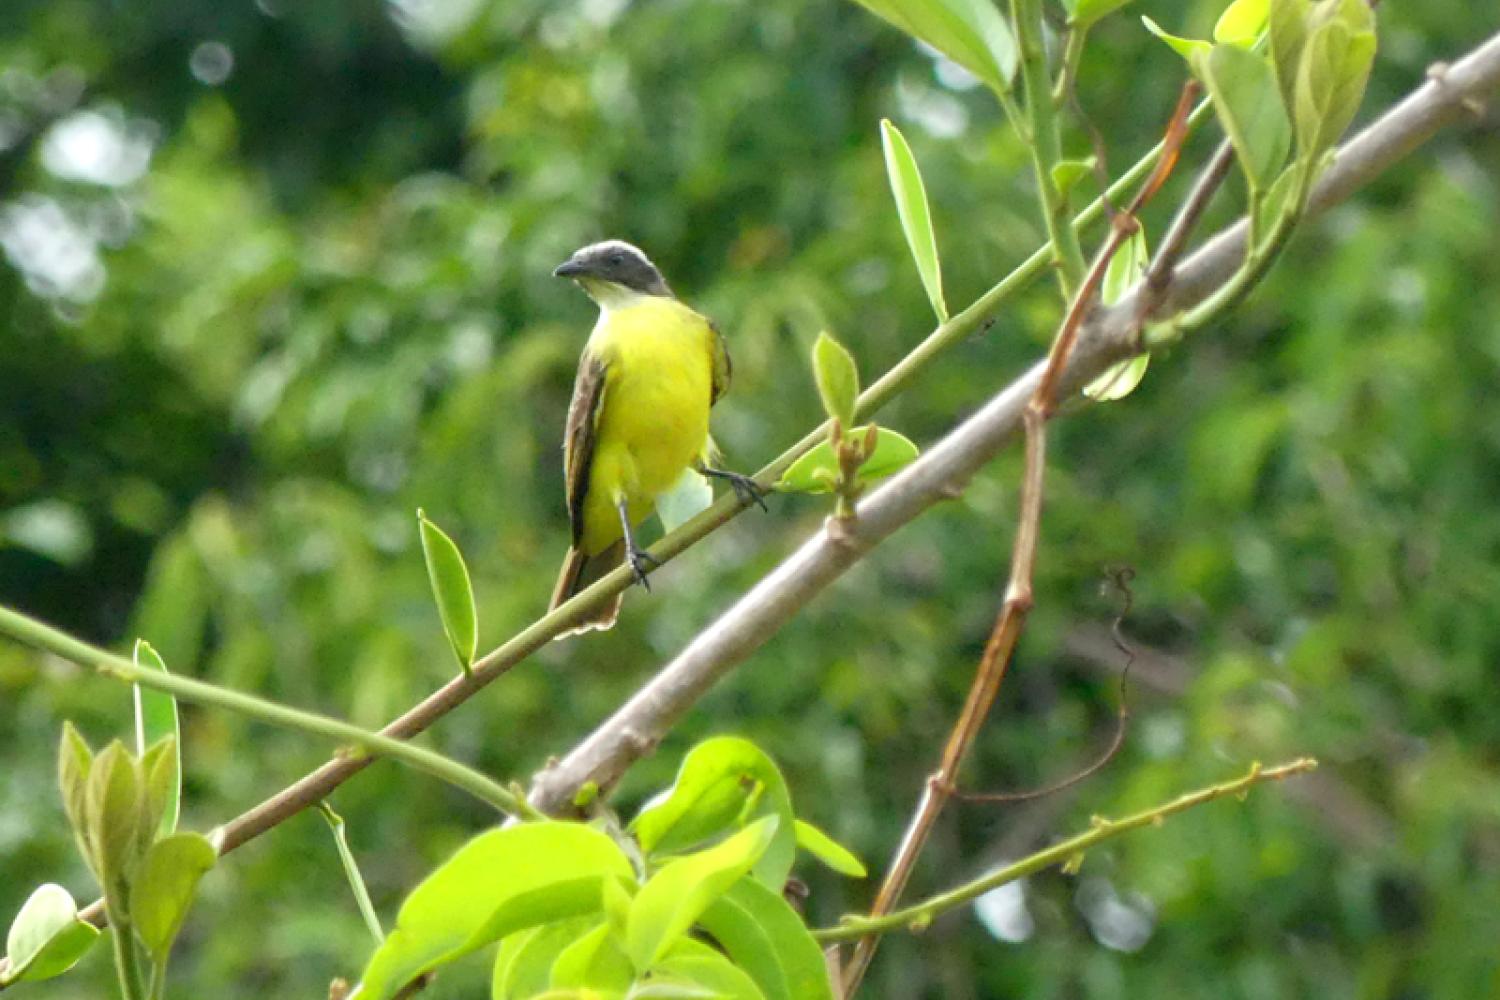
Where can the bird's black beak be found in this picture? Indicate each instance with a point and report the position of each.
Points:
(570, 268)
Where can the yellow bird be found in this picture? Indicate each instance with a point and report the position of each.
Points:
(650, 371)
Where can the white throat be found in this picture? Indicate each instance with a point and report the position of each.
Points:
(610, 296)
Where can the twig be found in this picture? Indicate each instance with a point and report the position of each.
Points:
(1001, 644)
(1121, 581)
(921, 914)
(1174, 244)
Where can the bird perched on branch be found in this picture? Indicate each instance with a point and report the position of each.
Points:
(650, 371)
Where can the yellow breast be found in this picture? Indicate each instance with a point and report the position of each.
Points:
(653, 420)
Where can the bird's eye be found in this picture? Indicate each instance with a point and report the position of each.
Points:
(616, 259)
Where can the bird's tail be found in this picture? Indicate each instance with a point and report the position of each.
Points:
(578, 572)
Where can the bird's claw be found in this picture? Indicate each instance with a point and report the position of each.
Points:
(640, 561)
(747, 490)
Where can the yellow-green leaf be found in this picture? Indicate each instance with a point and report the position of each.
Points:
(817, 471)
(1184, 47)
(1082, 13)
(916, 217)
(1242, 22)
(829, 851)
(155, 719)
(672, 899)
(164, 887)
(46, 939)
(970, 32)
(1242, 86)
(837, 378)
(452, 591)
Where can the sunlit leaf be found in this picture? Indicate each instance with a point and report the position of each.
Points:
(594, 960)
(523, 963)
(163, 889)
(672, 899)
(452, 590)
(1184, 47)
(1126, 268)
(970, 32)
(714, 972)
(817, 470)
(829, 851)
(1242, 22)
(764, 936)
(46, 939)
(916, 219)
(113, 815)
(500, 882)
(155, 719)
(837, 378)
(723, 783)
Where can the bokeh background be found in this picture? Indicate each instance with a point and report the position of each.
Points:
(275, 274)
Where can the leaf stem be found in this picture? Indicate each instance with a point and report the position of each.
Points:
(351, 869)
(920, 914)
(127, 964)
(31, 632)
(1045, 143)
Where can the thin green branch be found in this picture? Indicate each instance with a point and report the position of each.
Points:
(919, 915)
(34, 633)
(1067, 74)
(1046, 145)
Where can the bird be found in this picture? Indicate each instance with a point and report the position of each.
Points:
(649, 374)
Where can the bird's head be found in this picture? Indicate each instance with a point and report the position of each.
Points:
(613, 272)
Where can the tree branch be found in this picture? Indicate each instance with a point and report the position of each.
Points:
(1110, 336)
(919, 915)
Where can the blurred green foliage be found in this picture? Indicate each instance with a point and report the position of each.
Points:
(276, 275)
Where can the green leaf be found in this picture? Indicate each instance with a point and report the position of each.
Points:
(1125, 269)
(452, 590)
(594, 960)
(1067, 173)
(155, 719)
(970, 32)
(1331, 81)
(1082, 13)
(1242, 22)
(684, 500)
(713, 972)
(112, 816)
(1119, 380)
(763, 935)
(672, 899)
(46, 939)
(523, 964)
(74, 762)
(164, 887)
(829, 851)
(614, 897)
(1243, 89)
(1185, 47)
(500, 882)
(158, 771)
(817, 470)
(666, 989)
(1290, 21)
(916, 219)
(723, 783)
(837, 378)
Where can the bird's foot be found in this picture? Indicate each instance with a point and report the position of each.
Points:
(746, 490)
(640, 562)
